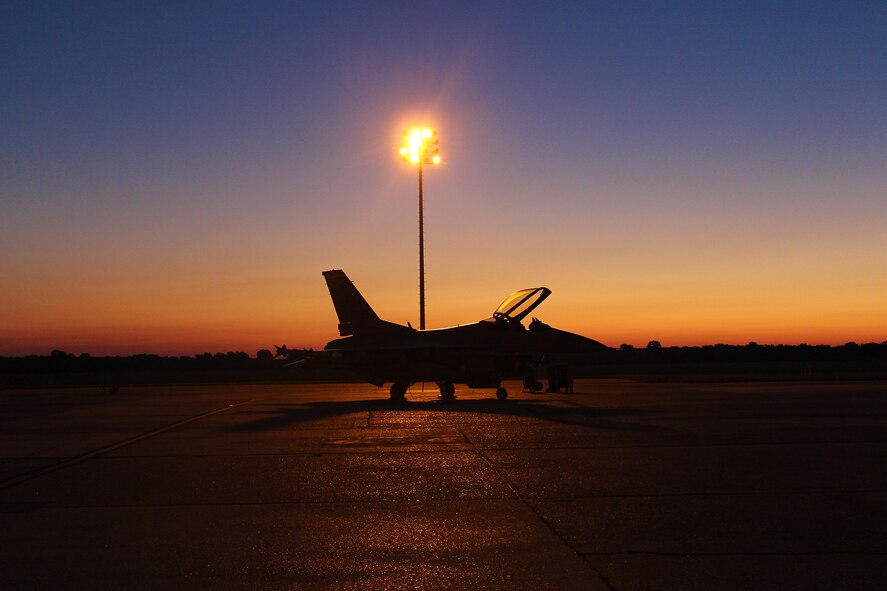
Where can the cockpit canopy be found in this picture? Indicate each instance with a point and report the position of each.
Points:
(520, 303)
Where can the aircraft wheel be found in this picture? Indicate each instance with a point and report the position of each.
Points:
(501, 393)
(398, 392)
(447, 390)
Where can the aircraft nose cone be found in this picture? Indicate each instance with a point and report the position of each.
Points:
(585, 344)
(567, 342)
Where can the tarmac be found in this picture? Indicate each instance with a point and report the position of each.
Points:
(620, 485)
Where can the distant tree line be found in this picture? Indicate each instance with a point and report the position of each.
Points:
(61, 368)
(654, 351)
(751, 361)
(791, 361)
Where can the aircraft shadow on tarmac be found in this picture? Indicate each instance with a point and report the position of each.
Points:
(290, 414)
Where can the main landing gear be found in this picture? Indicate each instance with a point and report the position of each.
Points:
(398, 392)
(447, 390)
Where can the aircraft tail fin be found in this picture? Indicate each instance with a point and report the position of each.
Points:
(355, 314)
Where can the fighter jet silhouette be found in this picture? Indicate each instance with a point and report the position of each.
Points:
(479, 355)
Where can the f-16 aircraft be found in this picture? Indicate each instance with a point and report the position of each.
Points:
(479, 355)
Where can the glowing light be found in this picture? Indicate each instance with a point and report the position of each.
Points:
(420, 147)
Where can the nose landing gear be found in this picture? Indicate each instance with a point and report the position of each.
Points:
(398, 392)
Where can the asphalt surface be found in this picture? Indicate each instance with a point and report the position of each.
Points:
(620, 486)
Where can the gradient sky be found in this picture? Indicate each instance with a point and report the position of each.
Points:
(175, 176)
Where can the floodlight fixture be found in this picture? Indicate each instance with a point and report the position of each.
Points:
(420, 147)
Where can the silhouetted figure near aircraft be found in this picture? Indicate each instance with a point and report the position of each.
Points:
(559, 377)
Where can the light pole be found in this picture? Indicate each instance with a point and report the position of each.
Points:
(421, 147)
